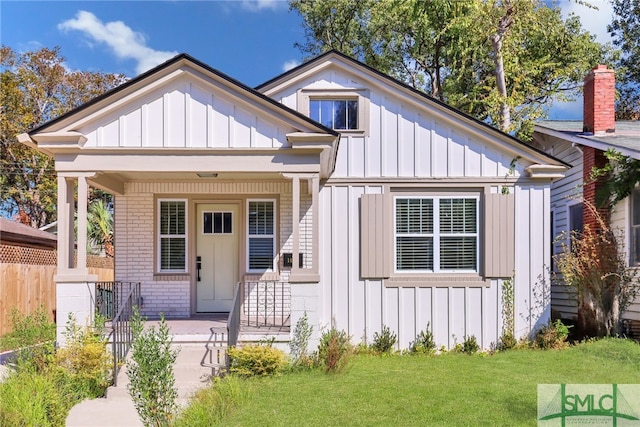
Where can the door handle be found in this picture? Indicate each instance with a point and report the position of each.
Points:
(198, 266)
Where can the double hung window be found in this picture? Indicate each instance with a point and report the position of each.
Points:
(172, 230)
(261, 235)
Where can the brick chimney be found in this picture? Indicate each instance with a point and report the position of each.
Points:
(599, 101)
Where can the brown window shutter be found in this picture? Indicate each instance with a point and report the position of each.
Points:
(376, 236)
(499, 235)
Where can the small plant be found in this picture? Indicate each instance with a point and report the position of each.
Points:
(470, 345)
(384, 341)
(552, 336)
(424, 343)
(507, 341)
(299, 344)
(150, 372)
(334, 350)
(256, 360)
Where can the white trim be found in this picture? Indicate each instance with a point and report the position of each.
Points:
(160, 236)
(273, 237)
(436, 234)
(306, 95)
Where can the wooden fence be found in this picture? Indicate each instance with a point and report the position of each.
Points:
(27, 286)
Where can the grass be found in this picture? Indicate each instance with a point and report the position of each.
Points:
(28, 330)
(454, 389)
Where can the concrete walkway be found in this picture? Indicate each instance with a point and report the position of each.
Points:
(201, 343)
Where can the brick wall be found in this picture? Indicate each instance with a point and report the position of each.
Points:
(599, 101)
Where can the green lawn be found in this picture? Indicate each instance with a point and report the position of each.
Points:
(454, 389)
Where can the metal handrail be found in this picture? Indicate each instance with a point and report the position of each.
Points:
(267, 303)
(124, 297)
(233, 321)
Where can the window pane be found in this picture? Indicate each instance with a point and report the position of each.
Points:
(575, 218)
(326, 112)
(314, 110)
(172, 217)
(458, 253)
(217, 222)
(260, 253)
(172, 253)
(227, 223)
(414, 216)
(352, 114)
(261, 218)
(339, 114)
(458, 215)
(414, 253)
(207, 222)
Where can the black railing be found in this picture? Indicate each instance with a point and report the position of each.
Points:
(266, 303)
(116, 301)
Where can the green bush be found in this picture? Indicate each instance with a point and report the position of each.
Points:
(507, 341)
(424, 342)
(552, 336)
(470, 345)
(150, 372)
(334, 350)
(384, 341)
(84, 362)
(256, 360)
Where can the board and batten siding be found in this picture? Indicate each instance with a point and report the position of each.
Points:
(363, 307)
(565, 192)
(186, 114)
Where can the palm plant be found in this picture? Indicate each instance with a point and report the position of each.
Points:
(100, 226)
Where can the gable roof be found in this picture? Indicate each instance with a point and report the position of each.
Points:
(424, 97)
(137, 81)
(625, 139)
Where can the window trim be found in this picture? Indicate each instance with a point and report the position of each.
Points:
(273, 268)
(160, 236)
(436, 235)
(630, 227)
(304, 96)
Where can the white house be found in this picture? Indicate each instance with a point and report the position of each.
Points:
(582, 144)
(361, 200)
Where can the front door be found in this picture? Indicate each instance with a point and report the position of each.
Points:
(217, 256)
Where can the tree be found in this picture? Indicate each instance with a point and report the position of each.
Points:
(37, 87)
(625, 29)
(100, 226)
(501, 61)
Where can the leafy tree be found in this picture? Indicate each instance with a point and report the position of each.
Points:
(501, 61)
(37, 87)
(625, 29)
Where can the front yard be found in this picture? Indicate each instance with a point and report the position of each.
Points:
(454, 389)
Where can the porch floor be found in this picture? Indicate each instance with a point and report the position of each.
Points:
(213, 328)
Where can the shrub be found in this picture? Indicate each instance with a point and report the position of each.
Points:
(84, 361)
(470, 345)
(299, 344)
(334, 350)
(424, 343)
(256, 360)
(554, 335)
(384, 342)
(150, 372)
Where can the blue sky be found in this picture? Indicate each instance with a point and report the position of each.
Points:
(250, 40)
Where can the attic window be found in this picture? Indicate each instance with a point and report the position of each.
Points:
(339, 114)
(344, 110)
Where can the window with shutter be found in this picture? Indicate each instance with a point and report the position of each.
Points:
(436, 234)
(172, 222)
(261, 235)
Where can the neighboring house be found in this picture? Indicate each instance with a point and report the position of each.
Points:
(370, 202)
(582, 144)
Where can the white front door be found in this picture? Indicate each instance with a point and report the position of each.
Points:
(217, 256)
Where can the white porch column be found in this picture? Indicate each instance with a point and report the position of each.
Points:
(75, 288)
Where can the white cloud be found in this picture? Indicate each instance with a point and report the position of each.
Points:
(593, 20)
(122, 40)
(292, 63)
(259, 5)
